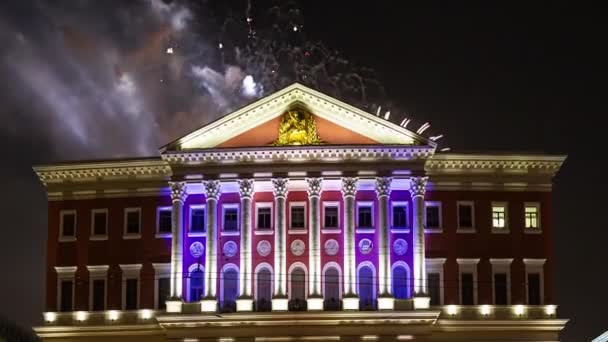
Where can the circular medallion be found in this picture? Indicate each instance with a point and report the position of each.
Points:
(331, 247)
(297, 247)
(400, 246)
(264, 248)
(197, 249)
(230, 249)
(365, 246)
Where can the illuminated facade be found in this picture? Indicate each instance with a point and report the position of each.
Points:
(300, 217)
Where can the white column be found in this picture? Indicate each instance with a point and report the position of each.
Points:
(417, 190)
(178, 196)
(350, 300)
(386, 301)
(245, 300)
(279, 300)
(315, 297)
(212, 193)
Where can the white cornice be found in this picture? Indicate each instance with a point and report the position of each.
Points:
(447, 163)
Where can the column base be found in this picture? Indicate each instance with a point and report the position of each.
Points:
(209, 305)
(244, 304)
(314, 303)
(422, 302)
(350, 303)
(280, 304)
(386, 303)
(173, 305)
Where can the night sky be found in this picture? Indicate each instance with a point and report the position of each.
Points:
(520, 78)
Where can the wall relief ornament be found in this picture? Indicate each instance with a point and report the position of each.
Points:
(349, 186)
(366, 246)
(418, 186)
(280, 187)
(230, 248)
(212, 189)
(400, 247)
(297, 247)
(331, 247)
(264, 248)
(246, 187)
(383, 186)
(314, 186)
(178, 191)
(297, 127)
(197, 249)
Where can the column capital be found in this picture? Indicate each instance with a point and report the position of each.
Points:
(418, 186)
(178, 191)
(383, 186)
(212, 189)
(349, 186)
(246, 187)
(314, 186)
(280, 187)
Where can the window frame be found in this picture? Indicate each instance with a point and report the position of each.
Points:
(436, 265)
(158, 233)
(161, 270)
(408, 221)
(539, 229)
(98, 272)
(65, 273)
(99, 237)
(238, 219)
(263, 231)
(500, 230)
(331, 230)
(63, 213)
(130, 271)
(302, 204)
(465, 230)
(466, 265)
(191, 210)
(364, 230)
(536, 266)
(434, 229)
(501, 266)
(125, 234)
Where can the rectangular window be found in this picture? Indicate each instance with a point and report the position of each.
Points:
(231, 219)
(131, 294)
(163, 292)
(132, 224)
(531, 216)
(400, 216)
(68, 224)
(197, 220)
(434, 284)
(331, 217)
(297, 217)
(67, 286)
(534, 289)
(164, 221)
(264, 218)
(365, 217)
(433, 216)
(465, 215)
(99, 294)
(500, 289)
(498, 216)
(466, 288)
(100, 222)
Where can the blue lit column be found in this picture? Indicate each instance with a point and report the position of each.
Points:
(386, 301)
(417, 191)
(212, 193)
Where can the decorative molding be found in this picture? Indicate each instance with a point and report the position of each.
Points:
(230, 249)
(280, 187)
(315, 186)
(349, 186)
(458, 163)
(212, 189)
(197, 249)
(297, 247)
(264, 248)
(400, 246)
(418, 186)
(178, 191)
(383, 186)
(332, 247)
(246, 187)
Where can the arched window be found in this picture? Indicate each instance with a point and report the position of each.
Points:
(367, 292)
(263, 290)
(297, 295)
(401, 283)
(230, 285)
(331, 288)
(196, 283)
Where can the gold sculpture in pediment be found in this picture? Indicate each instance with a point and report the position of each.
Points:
(297, 127)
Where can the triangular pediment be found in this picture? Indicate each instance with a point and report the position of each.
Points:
(266, 123)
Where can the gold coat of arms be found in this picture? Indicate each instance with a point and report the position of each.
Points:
(297, 127)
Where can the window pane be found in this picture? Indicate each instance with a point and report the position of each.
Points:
(534, 289)
(264, 218)
(434, 288)
(531, 217)
(66, 295)
(99, 294)
(467, 289)
(500, 288)
(69, 224)
(365, 217)
(231, 219)
(163, 292)
(400, 216)
(465, 216)
(133, 222)
(131, 294)
(498, 217)
(197, 285)
(331, 217)
(164, 221)
(297, 217)
(100, 221)
(400, 280)
(432, 217)
(198, 220)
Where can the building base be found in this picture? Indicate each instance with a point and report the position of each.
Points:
(174, 305)
(386, 303)
(209, 305)
(314, 303)
(422, 302)
(350, 303)
(244, 304)
(280, 304)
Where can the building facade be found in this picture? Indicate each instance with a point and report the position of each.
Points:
(299, 217)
